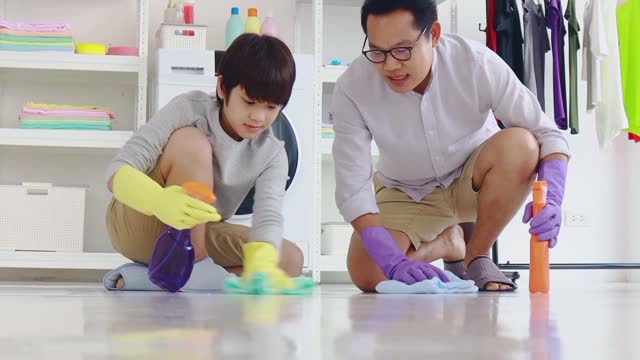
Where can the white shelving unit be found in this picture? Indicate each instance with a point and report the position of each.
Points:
(65, 138)
(64, 64)
(69, 61)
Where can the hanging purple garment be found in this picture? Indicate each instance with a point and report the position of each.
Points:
(555, 22)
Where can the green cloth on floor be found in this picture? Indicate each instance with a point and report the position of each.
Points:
(260, 286)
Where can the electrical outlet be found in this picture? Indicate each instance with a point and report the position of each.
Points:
(576, 219)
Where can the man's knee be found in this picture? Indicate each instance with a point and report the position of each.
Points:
(520, 151)
(292, 260)
(364, 272)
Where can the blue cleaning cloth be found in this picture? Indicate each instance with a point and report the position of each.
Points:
(207, 276)
(432, 286)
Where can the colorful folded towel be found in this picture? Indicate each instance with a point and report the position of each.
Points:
(50, 116)
(29, 40)
(27, 125)
(61, 34)
(16, 25)
(10, 47)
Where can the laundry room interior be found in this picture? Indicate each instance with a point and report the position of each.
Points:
(118, 118)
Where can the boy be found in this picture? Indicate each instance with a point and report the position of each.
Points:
(227, 144)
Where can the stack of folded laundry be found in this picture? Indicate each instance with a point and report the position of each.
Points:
(48, 116)
(20, 36)
(327, 131)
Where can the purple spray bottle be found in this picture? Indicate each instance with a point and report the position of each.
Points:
(173, 255)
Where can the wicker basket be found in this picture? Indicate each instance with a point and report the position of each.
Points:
(183, 36)
(41, 217)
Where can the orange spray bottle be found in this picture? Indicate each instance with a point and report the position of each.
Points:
(539, 250)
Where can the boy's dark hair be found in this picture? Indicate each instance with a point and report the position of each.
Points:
(425, 12)
(263, 65)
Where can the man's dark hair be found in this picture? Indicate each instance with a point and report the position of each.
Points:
(425, 12)
(263, 65)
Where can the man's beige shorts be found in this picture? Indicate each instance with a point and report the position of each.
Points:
(423, 221)
(134, 234)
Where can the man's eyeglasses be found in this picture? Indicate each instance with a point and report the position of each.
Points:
(402, 53)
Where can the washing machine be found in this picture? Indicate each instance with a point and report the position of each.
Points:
(183, 70)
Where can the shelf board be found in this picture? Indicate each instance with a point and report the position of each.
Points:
(61, 260)
(331, 75)
(65, 138)
(333, 263)
(326, 146)
(69, 61)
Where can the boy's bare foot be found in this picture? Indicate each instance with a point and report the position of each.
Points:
(120, 283)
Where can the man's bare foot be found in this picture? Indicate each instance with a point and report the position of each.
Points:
(453, 239)
(449, 245)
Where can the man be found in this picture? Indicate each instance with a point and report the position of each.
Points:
(430, 102)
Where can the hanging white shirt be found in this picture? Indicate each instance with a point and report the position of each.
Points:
(611, 117)
(425, 140)
(593, 51)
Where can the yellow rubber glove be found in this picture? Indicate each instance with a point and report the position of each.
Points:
(172, 205)
(263, 257)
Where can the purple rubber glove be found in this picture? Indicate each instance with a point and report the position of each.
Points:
(548, 222)
(394, 263)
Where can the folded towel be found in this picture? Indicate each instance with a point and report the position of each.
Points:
(42, 44)
(17, 25)
(36, 39)
(206, 276)
(78, 119)
(65, 126)
(34, 105)
(10, 47)
(432, 286)
(66, 113)
(61, 34)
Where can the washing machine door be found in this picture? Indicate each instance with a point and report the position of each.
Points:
(284, 130)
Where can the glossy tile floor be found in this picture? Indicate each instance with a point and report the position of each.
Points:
(66, 321)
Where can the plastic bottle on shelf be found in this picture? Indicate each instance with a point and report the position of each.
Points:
(235, 26)
(180, 13)
(269, 26)
(253, 23)
(189, 11)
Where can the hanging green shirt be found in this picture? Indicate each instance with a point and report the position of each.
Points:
(574, 45)
(628, 33)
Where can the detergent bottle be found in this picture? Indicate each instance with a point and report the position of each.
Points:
(235, 26)
(253, 23)
(173, 255)
(269, 26)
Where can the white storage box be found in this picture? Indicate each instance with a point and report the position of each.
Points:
(42, 217)
(335, 238)
(186, 36)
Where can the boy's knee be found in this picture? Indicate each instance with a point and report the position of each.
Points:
(292, 259)
(191, 143)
